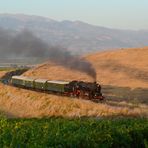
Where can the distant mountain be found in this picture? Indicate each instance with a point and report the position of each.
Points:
(76, 36)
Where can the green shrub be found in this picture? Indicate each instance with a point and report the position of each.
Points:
(59, 132)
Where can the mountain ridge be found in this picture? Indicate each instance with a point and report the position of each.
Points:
(77, 36)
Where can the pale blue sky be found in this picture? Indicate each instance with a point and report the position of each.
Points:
(125, 14)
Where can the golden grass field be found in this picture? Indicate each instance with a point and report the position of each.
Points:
(124, 67)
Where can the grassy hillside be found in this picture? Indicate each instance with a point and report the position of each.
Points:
(120, 100)
(17, 102)
(124, 67)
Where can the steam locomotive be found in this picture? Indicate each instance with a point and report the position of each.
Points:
(79, 89)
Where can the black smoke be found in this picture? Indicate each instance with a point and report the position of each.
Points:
(22, 44)
(25, 44)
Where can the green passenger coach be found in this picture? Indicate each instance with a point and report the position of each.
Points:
(23, 81)
(18, 81)
(57, 86)
(40, 84)
(29, 82)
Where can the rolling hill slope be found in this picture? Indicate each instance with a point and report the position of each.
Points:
(124, 67)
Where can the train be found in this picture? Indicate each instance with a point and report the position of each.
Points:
(79, 89)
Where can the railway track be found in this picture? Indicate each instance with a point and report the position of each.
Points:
(7, 77)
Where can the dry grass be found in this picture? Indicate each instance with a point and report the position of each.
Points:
(127, 67)
(2, 73)
(16, 102)
(118, 67)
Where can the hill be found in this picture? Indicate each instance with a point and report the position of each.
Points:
(78, 37)
(124, 67)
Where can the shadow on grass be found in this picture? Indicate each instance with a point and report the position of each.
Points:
(118, 94)
(129, 71)
(7, 114)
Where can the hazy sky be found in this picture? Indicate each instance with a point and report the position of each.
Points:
(125, 14)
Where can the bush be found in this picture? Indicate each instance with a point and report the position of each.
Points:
(59, 132)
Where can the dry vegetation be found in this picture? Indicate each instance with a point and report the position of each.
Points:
(16, 102)
(127, 67)
(124, 67)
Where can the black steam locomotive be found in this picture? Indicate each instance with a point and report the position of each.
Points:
(84, 89)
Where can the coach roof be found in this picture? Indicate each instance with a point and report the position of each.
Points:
(23, 78)
(58, 82)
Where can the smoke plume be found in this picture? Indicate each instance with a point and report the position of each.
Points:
(25, 44)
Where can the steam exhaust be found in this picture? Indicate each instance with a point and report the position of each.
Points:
(26, 44)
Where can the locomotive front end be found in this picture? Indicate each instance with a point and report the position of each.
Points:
(85, 90)
(95, 91)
